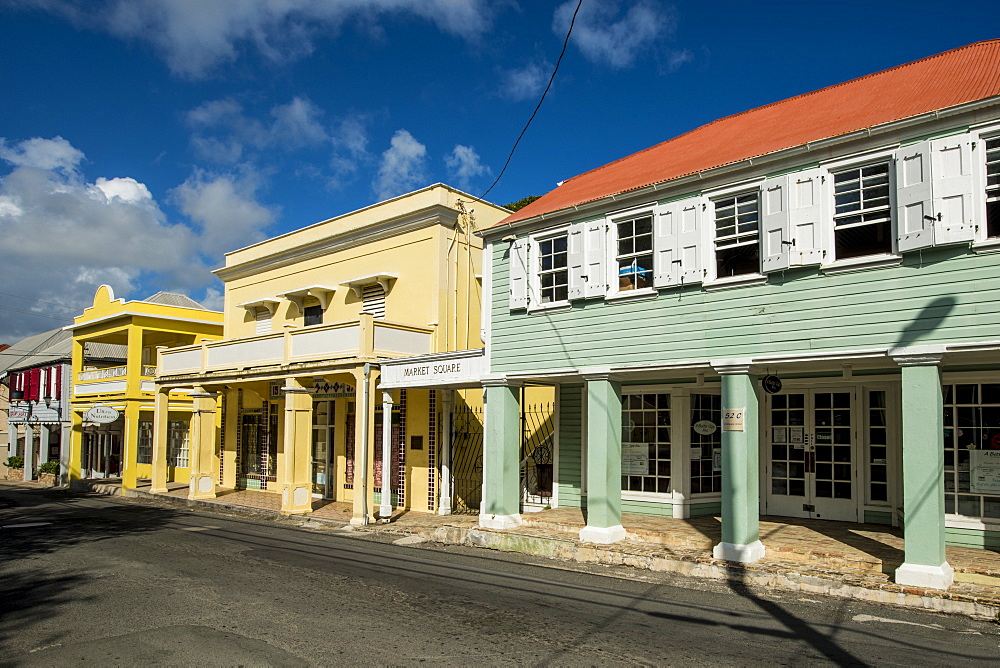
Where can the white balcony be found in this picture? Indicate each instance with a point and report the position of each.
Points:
(364, 338)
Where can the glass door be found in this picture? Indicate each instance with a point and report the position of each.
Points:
(810, 437)
(322, 460)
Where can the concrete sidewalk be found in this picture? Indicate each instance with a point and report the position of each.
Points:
(839, 559)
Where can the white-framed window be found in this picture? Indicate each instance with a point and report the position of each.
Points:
(312, 315)
(971, 428)
(862, 218)
(992, 186)
(552, 268)
(737, 234)
(633, 259)
(646, 442)
(144, 447)
(177, 443)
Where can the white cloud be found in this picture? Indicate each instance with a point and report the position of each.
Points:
(61, 235)
(402, 166)
(607, 34)
(349, 141)
(297, 123)
(196, 36)
(464, 166)
(48, 154)
(525, 83)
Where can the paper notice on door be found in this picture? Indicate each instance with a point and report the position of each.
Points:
(635, 458)
(985, 478)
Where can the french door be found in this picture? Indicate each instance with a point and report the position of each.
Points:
(810, 443)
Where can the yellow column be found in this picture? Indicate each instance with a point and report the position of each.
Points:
(160, 418)
(75, 445)
(364, 453)
(295, 463)
(133, 394)
(201, 447)
(228, 449)
(130, 445)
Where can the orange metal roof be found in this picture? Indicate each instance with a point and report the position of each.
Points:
(965, 74)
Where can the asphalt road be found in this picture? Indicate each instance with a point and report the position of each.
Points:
(105, 582)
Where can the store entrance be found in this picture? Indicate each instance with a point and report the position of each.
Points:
(811, 455)
(102, 455)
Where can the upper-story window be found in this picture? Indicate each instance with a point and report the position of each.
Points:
(373, 300)
(737, 235)
(553, 269)
(313, 315)
(634, 257)
(863, 217)
(993, 187)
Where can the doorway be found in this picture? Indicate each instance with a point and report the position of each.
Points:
(810, 438)
(323, 475)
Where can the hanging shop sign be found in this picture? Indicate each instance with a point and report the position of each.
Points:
(101, 415)
(635, 458)
(985, 466)
(771, 384)
(732, 419)
(18, 414)
(705, 427)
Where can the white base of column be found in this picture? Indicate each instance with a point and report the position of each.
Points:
(385, 511)
(930, 577)
(444, 509)
(589, 534)
(201, 487)
(500, 521)
(359, 521)
(744, 554)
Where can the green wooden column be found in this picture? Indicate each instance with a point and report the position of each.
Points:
(740, 465)
(604, 460)
(924, 563)
(501, 504)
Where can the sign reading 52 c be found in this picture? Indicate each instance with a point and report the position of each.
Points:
(732, 419)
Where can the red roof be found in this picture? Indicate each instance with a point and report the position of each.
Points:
(944, 80)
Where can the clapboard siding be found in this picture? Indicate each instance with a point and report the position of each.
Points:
(989, 540)
(647, 508)
(570, 440)
(944, 295)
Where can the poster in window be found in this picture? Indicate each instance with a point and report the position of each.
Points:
(779, 434)
(635, 458)
(796, 435)
(716, 459)
(695, 452)
(985, 466)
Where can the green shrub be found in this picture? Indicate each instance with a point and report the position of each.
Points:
(49, 467)
(15, 462)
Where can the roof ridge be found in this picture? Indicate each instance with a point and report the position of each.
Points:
(783, 101)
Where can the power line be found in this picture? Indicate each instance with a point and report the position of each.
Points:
(40, 315)
(31, 299)
(540, 100)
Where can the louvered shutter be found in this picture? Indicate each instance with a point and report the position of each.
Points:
(774, 224)
(373, 300)
(263, 317)
(57, 390)
(34, 377)
(914, 204)
(576, 261)
(690, 245)
(594, 242)
(804, 217)
(666, 257)
(951, 168)
(519, 274)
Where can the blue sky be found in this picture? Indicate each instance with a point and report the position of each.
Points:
(142, 139)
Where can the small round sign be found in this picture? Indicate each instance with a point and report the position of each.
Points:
(705, 427)
(771, 384)
(101, 415)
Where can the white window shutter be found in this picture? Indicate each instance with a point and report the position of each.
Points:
(576, 260)
(594, 237)
(519, 274)
(263, 317)
(951, 167)
(666, 260)
(689, 240)
(914, 204)
(805, 217)
(774, 224)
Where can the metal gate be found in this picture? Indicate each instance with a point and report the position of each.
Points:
(467, 460)
(537, 433)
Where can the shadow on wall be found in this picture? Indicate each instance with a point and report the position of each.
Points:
(929, 319)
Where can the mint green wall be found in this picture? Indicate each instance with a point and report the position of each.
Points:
(570, 416)
(989, 540)
(876, 517)
(647, 508)
(934, 296)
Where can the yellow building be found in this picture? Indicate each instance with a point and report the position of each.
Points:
(113, 364)
(289, 401)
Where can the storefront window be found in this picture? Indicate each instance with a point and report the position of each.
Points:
(971, 432)
(144, 449)
(706, 443)
(878, 469)
(646, 443)
(177, 443)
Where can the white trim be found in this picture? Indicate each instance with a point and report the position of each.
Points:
(158, 316)
(740, 281)
(358, 284)
(602, 535)
(631, 295)
(535, 287)
(863, 263)
(930, 577)
(954, 521)
(990, 245)
(744, 554)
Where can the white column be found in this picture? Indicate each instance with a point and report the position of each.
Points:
(43, 443)
(385, 508)
(65, 449)
(29, 451)
(447, 405)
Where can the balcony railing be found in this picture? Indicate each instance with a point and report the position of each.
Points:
(112, 372)
(360, 338)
